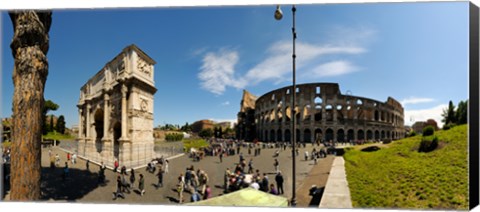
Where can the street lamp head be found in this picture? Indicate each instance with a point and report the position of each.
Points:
(278, 13)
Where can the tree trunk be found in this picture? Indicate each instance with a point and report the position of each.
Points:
(29, 46)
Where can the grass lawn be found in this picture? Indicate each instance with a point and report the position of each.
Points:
(58, 136)
(194, 143)
(398, 176)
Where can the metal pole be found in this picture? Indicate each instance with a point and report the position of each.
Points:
(294, 35)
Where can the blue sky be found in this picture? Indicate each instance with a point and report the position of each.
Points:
(416, 53)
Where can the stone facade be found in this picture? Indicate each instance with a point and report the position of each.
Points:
(116, 111)
(322, 112)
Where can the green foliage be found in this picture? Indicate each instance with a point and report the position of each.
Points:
(174, 136)
(398, 176)
(194, 143)
(186, 127)
(428, 144)
(206, 133)
(428, 130)
(449, 114)
(462, 112)
(57, 136)
(411, 134)
(47, 107)
(60, 127)
(448, 126)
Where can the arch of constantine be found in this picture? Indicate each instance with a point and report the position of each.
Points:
(322, 113)
(116, 111)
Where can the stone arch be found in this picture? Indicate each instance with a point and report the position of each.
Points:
(288, 114)
(297, 135)
(279, 135)
(99, 125)
(307, 110)
(288, 135)
(329, 134)
(307, 135)
(350, 135)
(329, 112)
(369, 135)
(376, 115)
(318, 134)
(382, 134)
(340, 135)
(272, 135)
(361, 134)
(377, 135)
(318, 100)
(266, 135)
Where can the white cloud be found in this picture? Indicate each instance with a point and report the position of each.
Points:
(218, 71)
(329, 69)
(416, 100)
(225, 103)
(412, 116)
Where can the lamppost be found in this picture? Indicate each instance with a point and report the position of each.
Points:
(278, 16)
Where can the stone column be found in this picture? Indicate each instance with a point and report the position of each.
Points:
(106, 117)
(80, 123)
(87, 127)
(124, 113)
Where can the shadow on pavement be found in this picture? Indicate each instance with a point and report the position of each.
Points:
(78, 184)
(316, 197)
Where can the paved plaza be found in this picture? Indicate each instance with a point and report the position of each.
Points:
(82, 186)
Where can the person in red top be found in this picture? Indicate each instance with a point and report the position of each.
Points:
(115, 165)
(68, 156)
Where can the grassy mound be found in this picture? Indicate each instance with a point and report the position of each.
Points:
(401, 177)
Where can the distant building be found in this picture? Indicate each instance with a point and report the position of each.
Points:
(224, 125)
(419, 125)
(202, 125)
(246, 126)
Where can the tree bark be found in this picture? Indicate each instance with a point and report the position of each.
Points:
(29, 46)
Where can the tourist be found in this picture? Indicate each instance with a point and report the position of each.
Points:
(68, 156)
(57, 160)
(123, 170)
(119, 192)
(141, 185)
(195, 196)
(226, 179)
(273, 190)
(87, 164)
(220, 155)
(166, 166)
(208, 192)
(250, 166)
(74, 158)
(279, 181)
(203, 180)
(132, 178)
(264, 184)
(65, 171)
(255, 184)
(180, 187)
(101, 173)
(125, 185)
(306, 155)
(115, 166)
(160, 177)
(276, 165)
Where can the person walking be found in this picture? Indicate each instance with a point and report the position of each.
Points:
(119, 192)
(160, 177)
(166, 166)
(65, 171)
(141, 185)
(250, 166)
(276, 165)
(57, 160)
(180, 187)
(279, 181)
(132, 178)
(115, 165)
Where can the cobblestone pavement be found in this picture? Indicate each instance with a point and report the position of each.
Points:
(82, 184)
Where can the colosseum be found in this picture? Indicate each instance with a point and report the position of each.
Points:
(322, 113)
